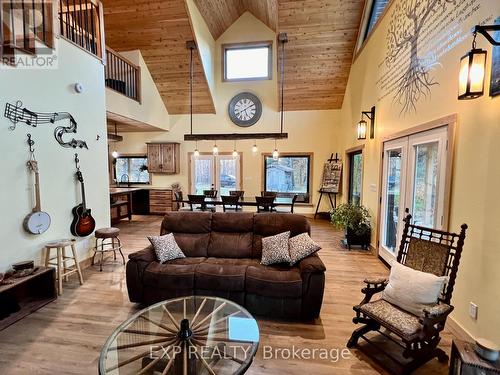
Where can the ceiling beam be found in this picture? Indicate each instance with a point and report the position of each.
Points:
(234, 136)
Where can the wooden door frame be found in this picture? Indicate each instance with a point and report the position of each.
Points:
(190, 154)
(451, 121)
(347, 159)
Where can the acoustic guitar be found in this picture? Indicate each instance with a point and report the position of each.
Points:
(83, 223)
(38, 221)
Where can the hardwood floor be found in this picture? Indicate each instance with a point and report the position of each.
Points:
(66, 336)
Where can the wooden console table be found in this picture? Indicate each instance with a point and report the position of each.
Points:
(26, 295)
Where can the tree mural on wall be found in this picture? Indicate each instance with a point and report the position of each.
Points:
(406, 26)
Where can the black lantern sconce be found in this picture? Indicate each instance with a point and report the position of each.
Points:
(362, 124)
(473, 65)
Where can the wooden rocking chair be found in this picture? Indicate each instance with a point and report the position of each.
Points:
(427, 250)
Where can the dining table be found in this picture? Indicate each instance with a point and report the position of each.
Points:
(244, 201)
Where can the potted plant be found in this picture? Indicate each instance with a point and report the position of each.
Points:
(355, 220)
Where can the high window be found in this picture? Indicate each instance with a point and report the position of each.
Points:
(376, 9)
(132, 169)
(247, 61)
(289, 175)
(355, 176)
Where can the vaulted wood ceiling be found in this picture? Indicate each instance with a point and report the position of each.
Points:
(322, 36)
(221, 14)
(160, 30)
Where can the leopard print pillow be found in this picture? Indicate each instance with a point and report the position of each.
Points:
(301, 246)
(275, 249)
(166, 248)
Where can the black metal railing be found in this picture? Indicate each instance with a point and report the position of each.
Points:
(81, 23)
(122, 75)
(23, 23)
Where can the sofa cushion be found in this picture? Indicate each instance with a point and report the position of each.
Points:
(301, 246)
(175, 274)
(166, 248)
(232, 222)
(224, 277)
(230, 245)
(275, 249)
(193, 244)
(186, 222)
(274, 281)
(270, 224)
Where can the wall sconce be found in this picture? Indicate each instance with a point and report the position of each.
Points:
(473, 65)
(362, 124)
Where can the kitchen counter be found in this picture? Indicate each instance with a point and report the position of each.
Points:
(140, 200)
(126, 190)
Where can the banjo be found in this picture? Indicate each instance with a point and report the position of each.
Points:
(38, 221)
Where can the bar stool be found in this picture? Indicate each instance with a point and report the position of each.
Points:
(62, 259)
(111, 234)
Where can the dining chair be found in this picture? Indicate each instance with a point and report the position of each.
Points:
(230, 203)
(179, 200)
(197, 202)
(210, 193)
(239, 193)
(264, 204)
(287, 209)
(268, 194)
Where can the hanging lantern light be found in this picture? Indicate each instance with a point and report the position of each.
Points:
(254, 147)
(235, 153)
(215, 149)
(196, 152)
(115, 154)
(471, 76)
(276, 153)
(362, 129)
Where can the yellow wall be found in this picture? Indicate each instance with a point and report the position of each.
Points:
(476, 176)
(151, 109)
(309, 131)
(50, 91)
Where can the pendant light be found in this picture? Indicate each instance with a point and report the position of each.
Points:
(235, 153)
(276, 153)
(115, 154)
(215, 149)
(361, 129)
(196, 152)
(254, 147)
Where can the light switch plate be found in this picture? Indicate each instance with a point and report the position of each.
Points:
(373, 187)
(473, 310)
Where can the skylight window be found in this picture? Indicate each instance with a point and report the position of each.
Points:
(247, 61)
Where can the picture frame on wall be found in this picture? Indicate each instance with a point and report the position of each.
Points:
(495, 64)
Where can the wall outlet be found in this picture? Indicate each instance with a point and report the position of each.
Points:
(473, 310)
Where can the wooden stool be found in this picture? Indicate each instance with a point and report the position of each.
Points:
(62, 259)
(102, 235)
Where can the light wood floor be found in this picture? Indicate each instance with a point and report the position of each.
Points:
(66, 336)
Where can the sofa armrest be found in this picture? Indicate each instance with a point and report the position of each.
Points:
(312, 264)
(144, 255)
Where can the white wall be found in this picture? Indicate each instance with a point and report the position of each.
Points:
(51, 91)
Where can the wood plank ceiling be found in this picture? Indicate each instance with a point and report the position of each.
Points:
(322, 36)
(160, 30)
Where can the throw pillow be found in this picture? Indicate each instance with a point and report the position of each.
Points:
(412, 290)
(275, 249)
(301, 246)
(166, 248)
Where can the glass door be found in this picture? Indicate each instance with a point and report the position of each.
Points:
(228, 174)
(414, 176)
(202, 173)
(393, 190)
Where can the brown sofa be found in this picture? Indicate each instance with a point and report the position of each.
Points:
(223, 252)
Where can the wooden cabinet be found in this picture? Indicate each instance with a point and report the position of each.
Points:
(163, 157)
(160, 201)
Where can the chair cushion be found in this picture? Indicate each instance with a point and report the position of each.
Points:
(427, 256)
(275, 249)
(107, 233)
(166, 248)
(274, 281)
(301, 246)
(412, 290)
(175, 274)
(404, 324)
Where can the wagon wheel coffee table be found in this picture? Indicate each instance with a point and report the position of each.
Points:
(189, 335)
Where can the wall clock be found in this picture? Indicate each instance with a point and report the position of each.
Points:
(245, 109)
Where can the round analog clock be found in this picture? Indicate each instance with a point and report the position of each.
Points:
(245, 109)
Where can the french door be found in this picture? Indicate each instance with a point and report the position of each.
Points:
(220, 172)
(414, 177)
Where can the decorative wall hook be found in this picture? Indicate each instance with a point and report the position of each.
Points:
(77, 162)
(15, 113)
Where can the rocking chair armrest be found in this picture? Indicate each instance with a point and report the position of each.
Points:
(376, 282)
(373, 287)
(438, 311)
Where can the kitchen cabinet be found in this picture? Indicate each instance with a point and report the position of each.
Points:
(163, 157)
(160, 201)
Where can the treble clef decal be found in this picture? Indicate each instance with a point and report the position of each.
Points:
(16, 113)
(60, 131)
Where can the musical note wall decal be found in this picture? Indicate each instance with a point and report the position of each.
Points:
(15, 113)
